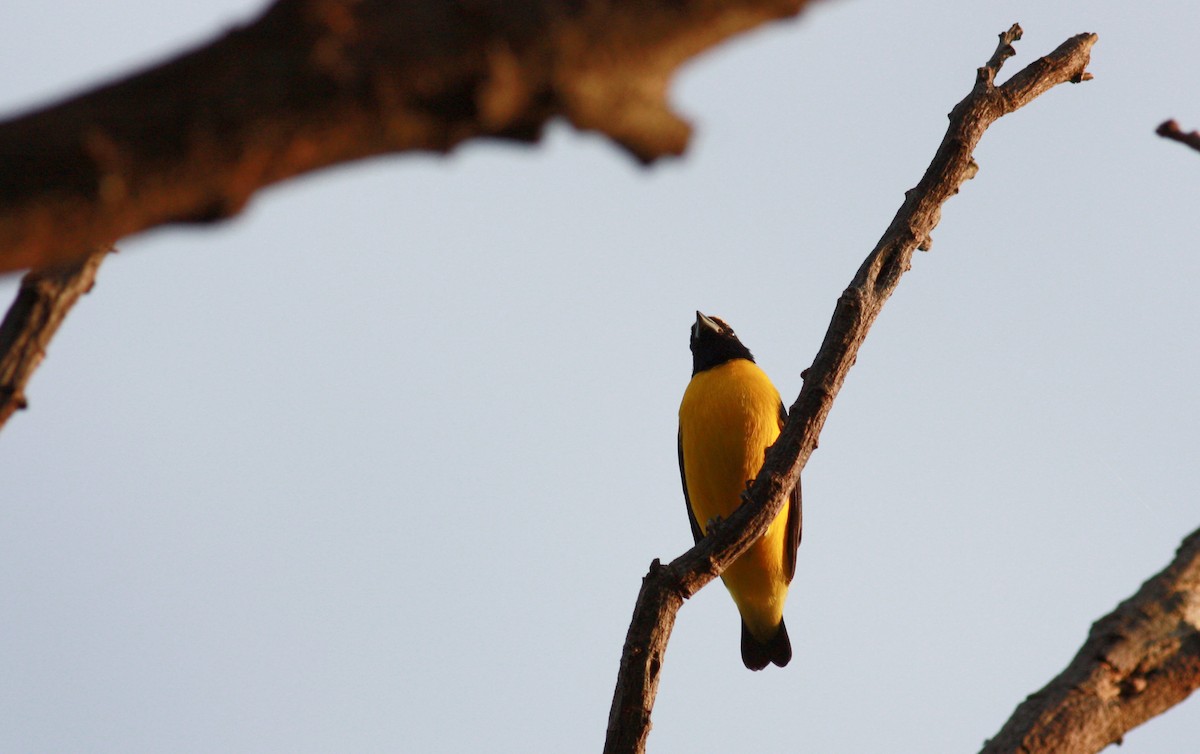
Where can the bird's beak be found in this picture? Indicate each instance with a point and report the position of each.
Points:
(705, 322)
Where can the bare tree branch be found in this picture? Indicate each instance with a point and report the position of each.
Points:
(1170, 130)
(666, 587)
(313, 83)
(1138, 661)
(42, 303)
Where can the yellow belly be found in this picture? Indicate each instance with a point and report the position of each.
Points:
(728, 418)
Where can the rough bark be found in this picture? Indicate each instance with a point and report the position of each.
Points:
(1170, 130)
(42, 303)
(312, 83)
(1138, 661)
(666, 587)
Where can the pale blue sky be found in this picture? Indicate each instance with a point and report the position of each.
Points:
(378, 465)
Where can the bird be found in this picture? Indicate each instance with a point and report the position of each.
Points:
(730, 414)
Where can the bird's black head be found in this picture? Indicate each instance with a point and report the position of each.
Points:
(714, 343)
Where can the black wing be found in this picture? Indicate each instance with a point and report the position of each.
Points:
(791, 541)
(687, 501)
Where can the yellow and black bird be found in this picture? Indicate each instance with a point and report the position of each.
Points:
(730, 415)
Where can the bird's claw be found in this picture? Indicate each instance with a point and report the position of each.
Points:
(713, 524)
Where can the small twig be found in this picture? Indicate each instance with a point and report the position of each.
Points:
(1170, 130)
(42, 303)
(1138, 661)
(665, 587)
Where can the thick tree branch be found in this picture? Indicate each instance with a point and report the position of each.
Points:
(42, 303)
(316, 82)
(1138, 661)
(1170, 130)
(665, 587)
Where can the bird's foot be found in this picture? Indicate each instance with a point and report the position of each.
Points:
(712, 525)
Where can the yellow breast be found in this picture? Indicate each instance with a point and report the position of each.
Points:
(728, 418)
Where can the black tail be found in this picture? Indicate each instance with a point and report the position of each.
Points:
(757, 655)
